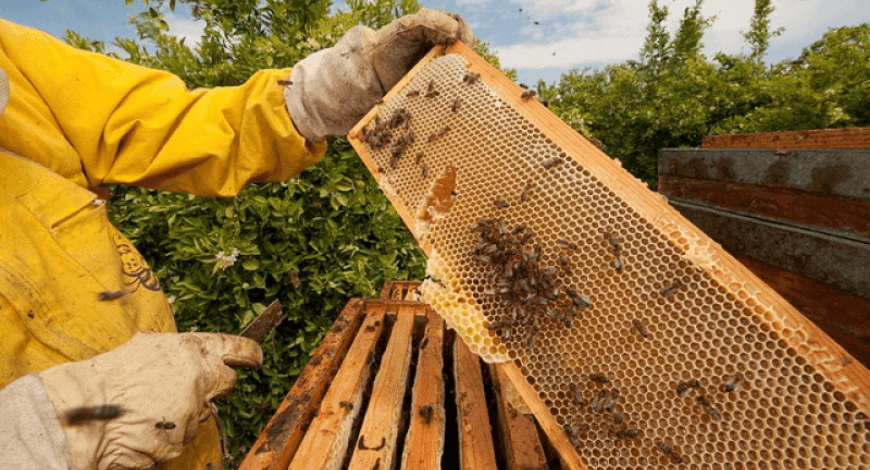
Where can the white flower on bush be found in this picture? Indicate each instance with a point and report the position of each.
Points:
(224, 261)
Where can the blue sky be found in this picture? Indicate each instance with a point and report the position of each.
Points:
(545, 39)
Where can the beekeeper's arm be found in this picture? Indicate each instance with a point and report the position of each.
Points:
(137, 126)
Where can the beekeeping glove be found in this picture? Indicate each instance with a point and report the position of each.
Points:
(333, 89)
(164, 382)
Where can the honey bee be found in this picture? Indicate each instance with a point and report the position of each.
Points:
(640, 327)
(501, 203)
(430, 90)
(285, 82)
(578, 397)
(551, 162)
(84, 414)
(530, 339)
(346, 404)
(413, 93)
(518, 229)
(614, 243)
(456, 104)
(684, 386)
(599, 400)
(731, 384)
(548, 271)
(165, 425)
(600, 378)
(499, 325)
(566, 244)
(618, 418)
(703, 400)
(563, 260)
(426, 412)
(424, 171)
(672, 289)
(111, 295)
(524, 195)
(419, 158)
(527, 94)
(471, 77)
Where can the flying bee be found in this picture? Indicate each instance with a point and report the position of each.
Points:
(84, 414)
(640, 327)
(456, 104)
(527, 94)
(672, 289)
(551, 162)
(501, 203)
(731, 384)
(684, 386)
(600, 378)
(525, 192)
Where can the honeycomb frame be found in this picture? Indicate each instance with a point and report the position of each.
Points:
(802, 402)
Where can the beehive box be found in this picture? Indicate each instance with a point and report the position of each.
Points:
(635, 340)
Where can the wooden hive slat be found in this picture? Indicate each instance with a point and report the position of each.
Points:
(476, 448)
(377, 437)
(424, 444)
(520, 441)
(278, 442)
(326, 440)
(722, 297)
(853, 138)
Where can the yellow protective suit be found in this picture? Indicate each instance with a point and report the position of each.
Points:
(76, 122)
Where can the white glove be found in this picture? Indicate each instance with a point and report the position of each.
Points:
(333, 89)
(164, 382)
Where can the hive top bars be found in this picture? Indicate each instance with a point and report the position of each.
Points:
(635, 340)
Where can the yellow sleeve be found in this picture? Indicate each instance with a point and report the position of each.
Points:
(97, 120)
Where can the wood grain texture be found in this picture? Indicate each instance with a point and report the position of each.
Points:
(424, 444)
(377, 436)
(476, 448)
(326, 441)
(848, 215)
(854, 138)
(278, 442)
(518, 432)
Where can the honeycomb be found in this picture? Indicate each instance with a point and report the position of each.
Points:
(643, 357)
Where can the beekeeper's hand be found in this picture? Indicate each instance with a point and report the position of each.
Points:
(165, 383)
(333, 89)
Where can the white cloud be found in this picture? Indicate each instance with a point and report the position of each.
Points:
(187, 28)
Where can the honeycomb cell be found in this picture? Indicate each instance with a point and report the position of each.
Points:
(666, 390)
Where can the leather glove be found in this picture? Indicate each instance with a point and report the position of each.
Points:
(165, 383)
(333, 89)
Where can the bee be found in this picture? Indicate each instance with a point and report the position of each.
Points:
(430, 90)
(165, 425)
(581, 301)
(599, 401)
(563, 260)
(111, 295)
(84, 414)
(665, 448)
(578, 397)
(640, 327)
(424, 171)
(703, 400)
(600, 378)
(730, 385)
(499, 325)
(285, 82)
(684, 386)
(672, 289)
(524, 194)
(424, 343)
(566, 244)
(418, 158)
(551, 162)
(377, 465)
(346, 404)
(501, 203)
(426, 412)
(456, 104)
(614, 242)
(526, 236)
(413, 93)
(548, 271)
(470, 77)
(527, 94)
(618, 418)
(530, 339)
(714, 413)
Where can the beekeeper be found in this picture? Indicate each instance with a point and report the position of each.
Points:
(89, 379)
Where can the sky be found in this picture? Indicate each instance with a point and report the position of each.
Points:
(541, 39)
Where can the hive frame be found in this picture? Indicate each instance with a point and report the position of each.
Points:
(844, 379)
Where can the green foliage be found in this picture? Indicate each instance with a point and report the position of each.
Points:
(675, 95)
(311, 242)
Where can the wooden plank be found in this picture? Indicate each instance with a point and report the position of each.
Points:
(558, 437)
(325, 443)
(839, 262)
(518, 432)
(424, 445)
(476, 450)
(854, 138)
(376, 445)
(842, 316)
(837, 172)
(279, 440)
(848, 215)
